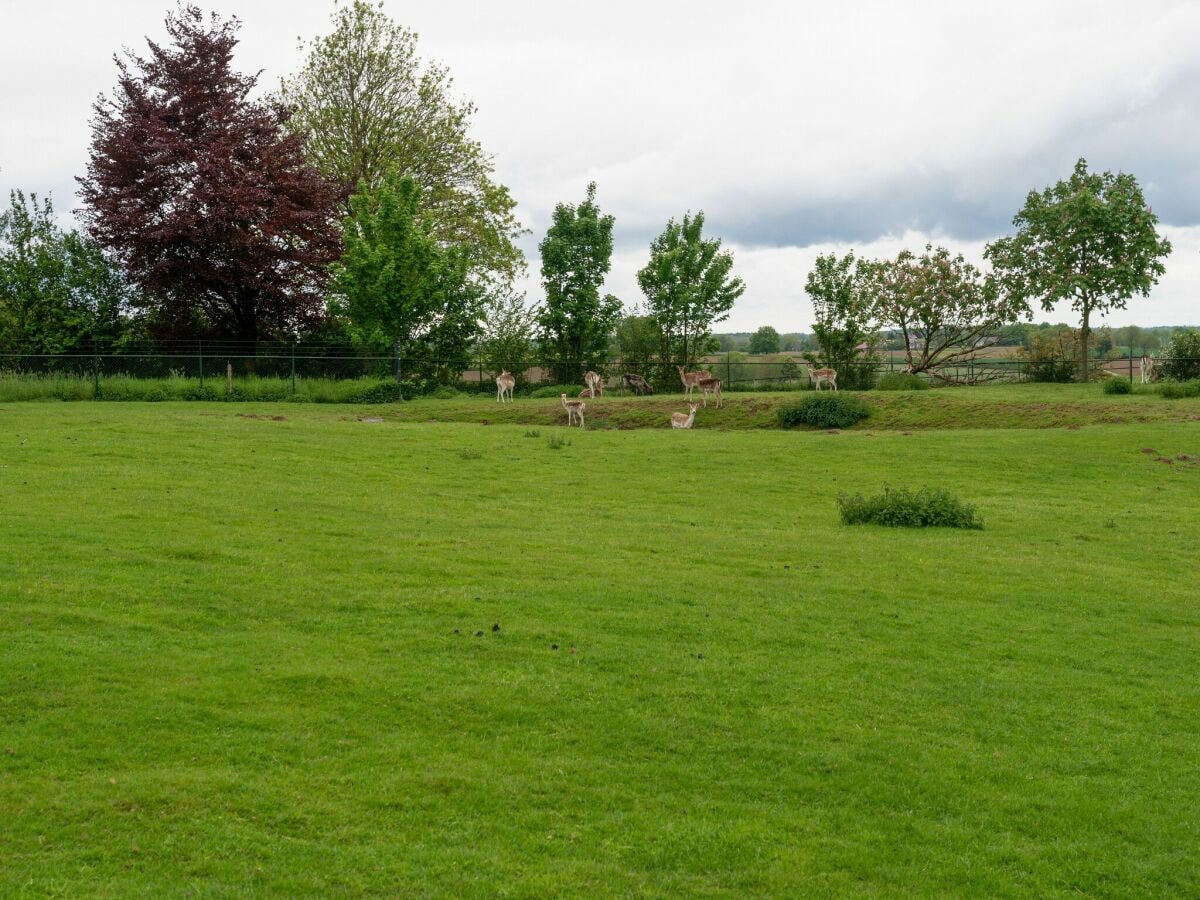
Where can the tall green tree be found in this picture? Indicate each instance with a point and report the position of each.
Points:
(765, 340)
(58, 291)
(576, 322)
(1090, 240)
(399, 286)
(366, 104)
(843, 318)
(636, 343)
(942, 306)
(688, 288)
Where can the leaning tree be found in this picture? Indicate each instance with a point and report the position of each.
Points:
(945, 310)
(211, 209)
(1090, 240)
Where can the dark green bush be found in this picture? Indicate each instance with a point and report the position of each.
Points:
(445, 392)
(1117, 386)
(901, 381)
(379, 392)
(903, 508)
(824, 409)
(547, 391)
(1178, 390)
(201, 392)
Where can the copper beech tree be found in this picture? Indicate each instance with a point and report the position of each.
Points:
(211, 209)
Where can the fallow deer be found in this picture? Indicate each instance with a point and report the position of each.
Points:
(828, 376)
(1149, 373)
(574, 408)
(595, 384)
(691, 379)
(637, 383)
(679, 420)
(504, 385)
(711, 386)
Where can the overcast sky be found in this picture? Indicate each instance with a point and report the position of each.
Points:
(798, 128)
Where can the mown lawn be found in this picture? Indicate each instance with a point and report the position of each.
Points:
(243, 656)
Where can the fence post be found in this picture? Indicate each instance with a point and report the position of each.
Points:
(728, 376)
(479, 359)
(293, 366)
(200, 346)
(1131, 363)
(95, 372)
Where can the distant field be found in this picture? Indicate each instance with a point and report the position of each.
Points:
(249, 650)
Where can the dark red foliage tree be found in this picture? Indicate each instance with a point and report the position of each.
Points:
(210, 208)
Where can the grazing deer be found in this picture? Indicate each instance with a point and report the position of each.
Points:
(595, 384)
(828, 376)
(504, 385)
(574, 408)
(679, 420)
(711, 386)
(691, 379)
(1149, 373)
(637, 383)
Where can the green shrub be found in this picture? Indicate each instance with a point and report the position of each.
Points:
(1178, 390)
(553, 390)
(824, 409)
(765, 387)
(1180, 359)
(903, 508)
(378, 392)
(445, 392)
(1117, 386)
(901, 381)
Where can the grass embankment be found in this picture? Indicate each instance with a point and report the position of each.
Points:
(251, 656)
(1006, 406)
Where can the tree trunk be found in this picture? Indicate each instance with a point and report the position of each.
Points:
(1084, 341)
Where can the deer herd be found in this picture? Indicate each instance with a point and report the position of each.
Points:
(705, 381)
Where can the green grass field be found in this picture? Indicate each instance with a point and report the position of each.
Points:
(244, 655)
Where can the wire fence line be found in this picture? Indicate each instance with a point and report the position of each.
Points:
(216, 361)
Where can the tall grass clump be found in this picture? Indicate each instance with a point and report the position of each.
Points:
(1117, 386)
(901, 381)
(824, 409)
(903, 508)
(16, 387)
(1178, 390)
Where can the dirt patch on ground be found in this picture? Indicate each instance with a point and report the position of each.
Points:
(257, 416)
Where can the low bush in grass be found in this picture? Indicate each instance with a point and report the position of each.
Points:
(547, 391)
(824, 409)
(1117, 386)
(769, 387)
(1179, 390)
(901, 381)
(903, 508)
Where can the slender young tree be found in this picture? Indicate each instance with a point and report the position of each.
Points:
(1090, 240)
(367, 105)
(196, 190)
(688, 288)
(577, 321)
(843, 318)
(399, 286)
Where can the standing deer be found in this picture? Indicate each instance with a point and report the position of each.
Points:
(829, 376)
(679, 420)
(574, 408)
(711, 386)
(691, 379)
(637, 383)
(595, 384)
(504, 385)
(1148, 371)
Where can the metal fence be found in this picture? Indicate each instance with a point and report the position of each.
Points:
(208, 362)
